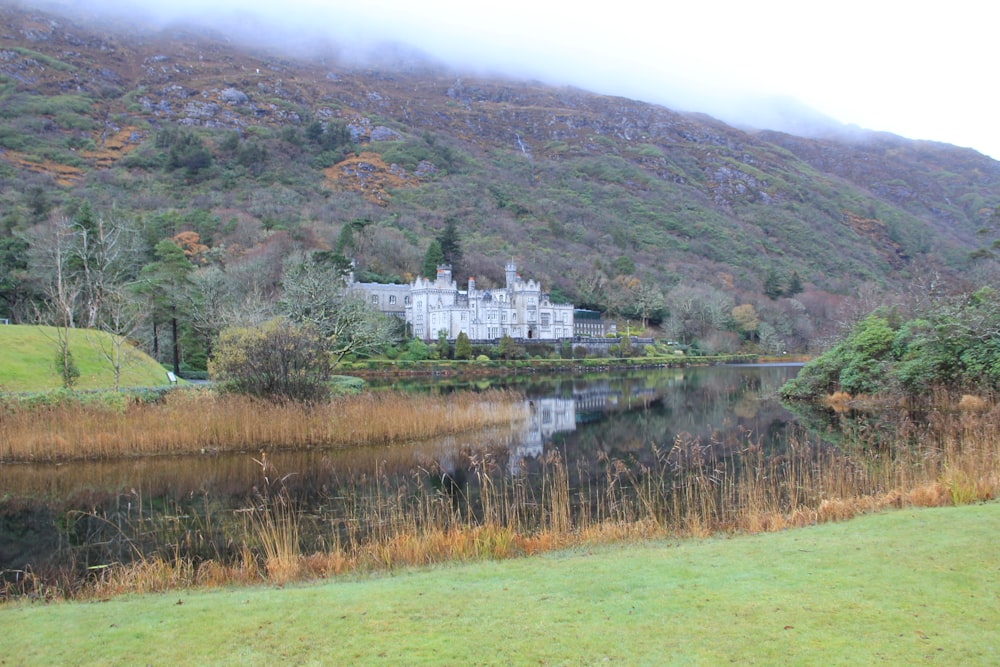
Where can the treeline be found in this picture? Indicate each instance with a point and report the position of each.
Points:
(174, 296)
(172, 280)
(950, 344)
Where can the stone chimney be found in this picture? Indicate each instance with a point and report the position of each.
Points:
(472, 284)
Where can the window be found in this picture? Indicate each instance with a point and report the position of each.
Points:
(545, 319)
(392, 299)
(406, 300)
(374, 299)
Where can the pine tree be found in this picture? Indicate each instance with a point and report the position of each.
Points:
(432, 259)
(772, 285)
(794, 284)
(451, 249)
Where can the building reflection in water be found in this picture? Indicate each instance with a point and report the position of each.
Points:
(550, 415)
(546, 416)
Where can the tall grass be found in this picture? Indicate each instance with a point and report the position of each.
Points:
(274, 527)
(193, 421)
(685, 488)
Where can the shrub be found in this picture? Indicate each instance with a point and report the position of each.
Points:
(951, 346)
(416, 350)
(279, 360)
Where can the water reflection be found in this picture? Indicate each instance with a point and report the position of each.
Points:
(546, 416)
(58, 513)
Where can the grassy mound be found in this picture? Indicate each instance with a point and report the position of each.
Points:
(28, 361)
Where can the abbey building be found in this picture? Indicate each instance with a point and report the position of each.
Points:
(519, 309)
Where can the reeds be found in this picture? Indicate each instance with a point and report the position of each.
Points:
(689, 488)
(273, 527)
(194, 421)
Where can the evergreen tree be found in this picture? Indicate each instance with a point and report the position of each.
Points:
(506, 347)
(794, 284)
(772, 285)
(463, 348)
(166, 281)
(16, 288)
(443, 349)
(432, 259)
(451, 248)
(345, 241)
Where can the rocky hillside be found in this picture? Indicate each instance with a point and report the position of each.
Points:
(605, 199)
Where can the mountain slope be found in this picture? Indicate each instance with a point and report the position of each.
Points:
(261, 152)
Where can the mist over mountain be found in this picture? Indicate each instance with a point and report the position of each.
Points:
(623, 206)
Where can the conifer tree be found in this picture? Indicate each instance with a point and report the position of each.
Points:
(451, 248)
(432, 259)
(463, 348)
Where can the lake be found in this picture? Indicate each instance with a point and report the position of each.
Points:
(599, 430)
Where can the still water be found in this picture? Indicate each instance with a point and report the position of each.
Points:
(82, 515)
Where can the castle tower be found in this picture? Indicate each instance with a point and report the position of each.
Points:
(510, 268)
(444, 274)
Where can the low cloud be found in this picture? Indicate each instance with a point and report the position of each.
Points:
(772, 64)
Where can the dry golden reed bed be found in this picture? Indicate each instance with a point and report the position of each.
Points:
(193, 421)
(957, 461)
(952, 457)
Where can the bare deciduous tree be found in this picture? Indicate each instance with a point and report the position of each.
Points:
(315, 292)
(122, 313)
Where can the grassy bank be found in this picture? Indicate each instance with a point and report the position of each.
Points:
(904, 587)
(28, 356)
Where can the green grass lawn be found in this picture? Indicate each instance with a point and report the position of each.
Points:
(915, 586)
(28, 355)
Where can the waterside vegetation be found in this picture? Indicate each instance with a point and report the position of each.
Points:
(194, 420)
(945, 345)
(903, 587)
(688, 488)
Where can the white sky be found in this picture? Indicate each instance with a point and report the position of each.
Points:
(922, 70)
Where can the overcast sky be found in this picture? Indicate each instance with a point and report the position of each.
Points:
(918, 69)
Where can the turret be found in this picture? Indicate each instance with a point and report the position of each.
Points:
(510, 268)
(444, 274)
